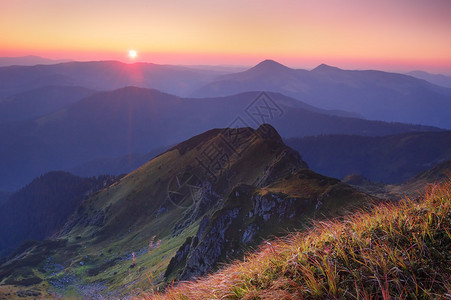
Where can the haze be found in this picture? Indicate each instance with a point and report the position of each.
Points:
(398, 35)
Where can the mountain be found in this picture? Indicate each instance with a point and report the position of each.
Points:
(116, 165)
(437, 79)
(201, 203)
(387, 159)
(43, 206)
(135, 120)
(4, 196)
(29, 60)
(376, 254)
(103, 75)
(437, 173)
(40, 102)
(375, 95)
(415, 186)
(218, 69)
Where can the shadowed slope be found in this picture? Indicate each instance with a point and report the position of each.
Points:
(229, 188)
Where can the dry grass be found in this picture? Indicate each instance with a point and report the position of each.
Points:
(398, 250)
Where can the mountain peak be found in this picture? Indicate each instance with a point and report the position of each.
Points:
(270, 65)
(266, 131)
(325, 68)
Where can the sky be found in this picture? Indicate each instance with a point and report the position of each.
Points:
(396, 35)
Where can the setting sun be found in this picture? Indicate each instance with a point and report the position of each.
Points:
(147, 143)
(132, 54)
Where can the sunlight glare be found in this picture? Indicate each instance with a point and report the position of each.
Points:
(132, 54)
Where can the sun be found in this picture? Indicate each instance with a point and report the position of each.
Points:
(132, 54)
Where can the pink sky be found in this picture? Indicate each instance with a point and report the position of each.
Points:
(398, 35)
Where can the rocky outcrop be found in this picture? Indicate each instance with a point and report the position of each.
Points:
(272, 205)
(206, 199)
(179, 257)
(206, 250)
(215, 240)
(225, 234)
(249, 213)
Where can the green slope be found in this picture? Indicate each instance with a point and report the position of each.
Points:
(230, 188)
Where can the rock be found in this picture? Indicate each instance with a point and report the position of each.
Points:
(207, 199)
(249, 233)
(211, 245)
(201, 253)
(28, 293)
(181, 255)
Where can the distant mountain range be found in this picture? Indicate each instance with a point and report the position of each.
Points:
(437, 79)
(115, 165)
(387, 159)
(56, 116)
(373, 94)
(136, 120)
(40, 102)
(4, 196)
(103, 75)
(29, 60)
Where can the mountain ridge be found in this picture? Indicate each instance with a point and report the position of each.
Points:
(28, 60)
(40, 208)
(143, 119)
(137, 225)
(367, 92)
(387, 159)
(102, 75)
(437, 79)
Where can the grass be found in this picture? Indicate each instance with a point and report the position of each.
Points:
(400, 250)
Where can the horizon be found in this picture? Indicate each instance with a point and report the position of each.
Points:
(399, 36)
(233, 67)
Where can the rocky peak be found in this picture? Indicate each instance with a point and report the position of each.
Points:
(266, 131)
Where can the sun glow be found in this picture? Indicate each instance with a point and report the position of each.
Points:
(132, 54)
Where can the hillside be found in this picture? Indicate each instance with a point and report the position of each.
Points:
(136, 120)
(411, 187)
(4, 196)
(40, 102)
(42, 207)
(116, 165)
(387, 159)
(393, 251)
(181, 215)
(372, 94)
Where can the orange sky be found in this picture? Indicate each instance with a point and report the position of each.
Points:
(384, 34)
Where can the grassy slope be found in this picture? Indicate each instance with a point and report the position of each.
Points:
(99, 259)
(104, 254)
(396, 250)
